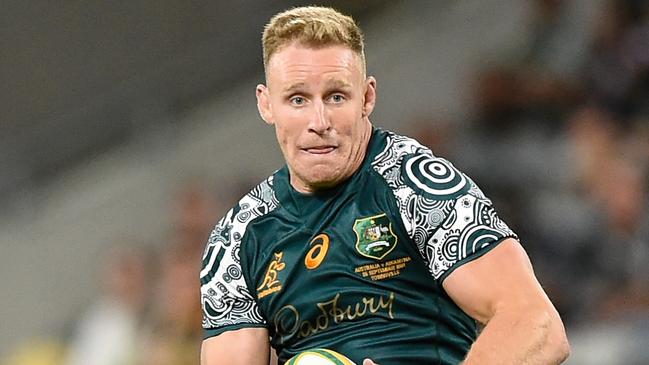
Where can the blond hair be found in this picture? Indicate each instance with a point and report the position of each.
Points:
(312, 26)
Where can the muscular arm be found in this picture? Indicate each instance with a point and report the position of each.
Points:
(521, 324)
(247, 346)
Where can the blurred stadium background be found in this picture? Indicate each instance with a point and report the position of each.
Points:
(127, 128)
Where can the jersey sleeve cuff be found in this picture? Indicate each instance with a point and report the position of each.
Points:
(474, 256)
(212, 332)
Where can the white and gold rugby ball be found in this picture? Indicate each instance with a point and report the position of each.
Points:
(319, 357)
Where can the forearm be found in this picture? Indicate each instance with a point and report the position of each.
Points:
(247, 346)
(521, 337)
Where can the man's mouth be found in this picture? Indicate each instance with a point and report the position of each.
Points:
(319, 150)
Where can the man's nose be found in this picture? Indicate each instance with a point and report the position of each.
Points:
(319, 122)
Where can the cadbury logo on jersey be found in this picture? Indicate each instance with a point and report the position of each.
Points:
(290, 323)
(374, 236)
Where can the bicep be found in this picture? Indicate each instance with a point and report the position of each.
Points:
(240, 347)
(500, 280)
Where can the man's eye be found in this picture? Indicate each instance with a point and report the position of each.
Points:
(337, 98)
(297, 100)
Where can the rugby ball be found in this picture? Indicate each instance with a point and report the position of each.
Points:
(319, 357)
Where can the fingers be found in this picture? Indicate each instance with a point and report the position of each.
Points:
(369, 362)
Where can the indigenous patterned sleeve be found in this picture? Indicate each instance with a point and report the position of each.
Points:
(226, 300)
(444, 211)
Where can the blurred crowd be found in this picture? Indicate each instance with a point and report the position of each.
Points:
(147, 311)
(559, 140)
(562, 146)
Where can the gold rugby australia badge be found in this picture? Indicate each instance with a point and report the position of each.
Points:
(271, 283)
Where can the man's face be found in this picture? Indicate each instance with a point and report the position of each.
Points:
(319, 102)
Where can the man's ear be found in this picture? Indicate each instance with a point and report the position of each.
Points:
(263, 104)
(369, 98)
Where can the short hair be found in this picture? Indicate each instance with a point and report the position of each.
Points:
(313, 26)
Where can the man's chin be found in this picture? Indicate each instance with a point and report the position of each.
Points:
(319, 182)
(317, 176)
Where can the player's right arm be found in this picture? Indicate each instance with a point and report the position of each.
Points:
(234, 328)
(239, 347)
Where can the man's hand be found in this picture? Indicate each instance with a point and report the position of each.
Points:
(369, 362)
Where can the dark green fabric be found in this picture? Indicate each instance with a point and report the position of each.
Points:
(403, 318)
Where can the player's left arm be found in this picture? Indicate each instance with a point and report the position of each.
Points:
(501, 291)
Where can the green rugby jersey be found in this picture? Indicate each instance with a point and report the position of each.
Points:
(357, 269)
